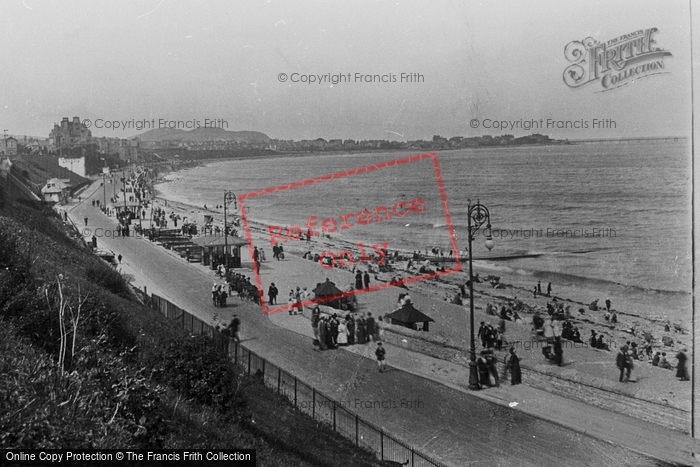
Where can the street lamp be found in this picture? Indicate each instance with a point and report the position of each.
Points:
(104, 192)
(477, 215)
(229, 197)
(124, 189)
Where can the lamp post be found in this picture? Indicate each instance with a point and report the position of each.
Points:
(229, 197)
(104, 192)
(477, 215)
(124, 189)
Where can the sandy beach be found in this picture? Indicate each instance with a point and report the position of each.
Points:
(451, 321)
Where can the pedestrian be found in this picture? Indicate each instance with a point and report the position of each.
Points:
(86, 221)
(482, 334)
(315, 320)
(361, 327)
(558, 352)
(272, 293)
(534, 292)
(366, 279)
(292, 302)
(350, 324)
(342, 333)
(333, 324)
(370, 323)
(623, 364)
(483, 370)
(322, 334)
(608, 304)
(297, 302)
(513, 365)
(493, 370)
(358, 280)
(215, 294)
(275, 252)
(682, 369)
(381, 357)
(280, 254)
(549, 289)
(235, 328)
(120, 259)
(94, 241)
(539, 288)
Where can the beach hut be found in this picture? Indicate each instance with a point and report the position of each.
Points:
(213, 249)
(409, 316)
(328, 289)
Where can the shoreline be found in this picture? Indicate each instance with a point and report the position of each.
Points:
(517, 284)
(631, 326)
(650, 301)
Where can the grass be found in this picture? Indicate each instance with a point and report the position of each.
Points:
(84, 365)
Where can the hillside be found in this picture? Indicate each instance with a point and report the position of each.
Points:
(86, 365)
(203, 134)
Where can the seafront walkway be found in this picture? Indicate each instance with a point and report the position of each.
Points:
(421, 400)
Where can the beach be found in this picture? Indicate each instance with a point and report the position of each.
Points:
(637, 314)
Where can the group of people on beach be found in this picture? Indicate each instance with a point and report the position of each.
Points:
(486, 363)
(537, 291)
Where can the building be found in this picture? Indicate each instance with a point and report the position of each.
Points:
(128, 149)
(5, 167)
(56, 190)
(8, 146)
(74, 164)
(69, 134)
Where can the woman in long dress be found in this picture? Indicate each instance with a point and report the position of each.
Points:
(513, 365)
(682, 369)
(548, 330)
(361, 330)
(342, 333)
(483, 371)
(322, 334)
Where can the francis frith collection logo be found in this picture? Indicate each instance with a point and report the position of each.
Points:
(616, 62)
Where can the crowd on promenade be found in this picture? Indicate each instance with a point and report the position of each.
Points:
(332, 330)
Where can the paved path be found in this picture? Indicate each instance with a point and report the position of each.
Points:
(443, 420)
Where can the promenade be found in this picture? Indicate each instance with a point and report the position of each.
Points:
(421, 399)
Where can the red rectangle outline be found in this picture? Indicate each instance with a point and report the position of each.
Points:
(347, 173)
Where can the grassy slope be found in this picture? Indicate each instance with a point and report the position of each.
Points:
(124, 385)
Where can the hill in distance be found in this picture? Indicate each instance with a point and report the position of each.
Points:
(203, 134)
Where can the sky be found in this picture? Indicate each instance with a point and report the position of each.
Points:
(186, 62)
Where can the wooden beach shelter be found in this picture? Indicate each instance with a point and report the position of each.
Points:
(328, 289)
(409, 316)
(213, 249)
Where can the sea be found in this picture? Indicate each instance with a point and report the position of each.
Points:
(613, 215)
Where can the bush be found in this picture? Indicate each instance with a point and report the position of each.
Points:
(199, 372)
(104, 276)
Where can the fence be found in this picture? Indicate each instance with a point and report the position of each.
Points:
(303, 396)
